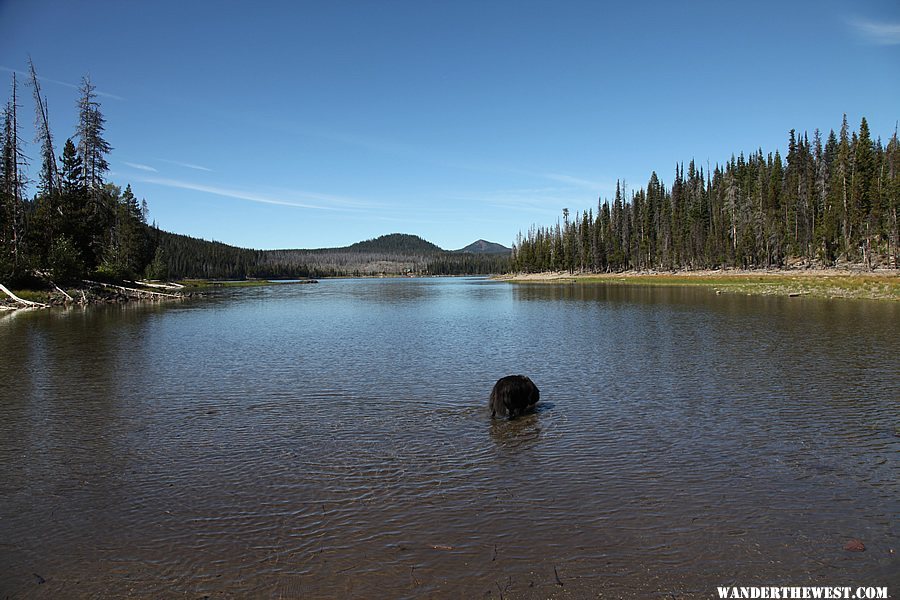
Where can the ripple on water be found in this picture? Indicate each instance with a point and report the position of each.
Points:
(307, 444)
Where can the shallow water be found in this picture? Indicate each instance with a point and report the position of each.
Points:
(332, 440)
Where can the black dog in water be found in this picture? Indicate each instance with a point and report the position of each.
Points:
(513, 395)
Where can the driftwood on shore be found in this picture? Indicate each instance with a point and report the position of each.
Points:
(21, 301)
(91, 292)
(164, 286)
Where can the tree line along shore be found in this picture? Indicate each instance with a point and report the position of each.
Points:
(831, 202)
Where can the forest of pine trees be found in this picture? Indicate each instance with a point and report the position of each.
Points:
(826, 203)
(77, 223)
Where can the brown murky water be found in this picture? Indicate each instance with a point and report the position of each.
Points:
(333, 441)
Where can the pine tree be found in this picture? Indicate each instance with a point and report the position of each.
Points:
(863, 190)
(842, 176)
(74, 213)
(12, 186)
(72, 175)
(92, 148)
(892, 193)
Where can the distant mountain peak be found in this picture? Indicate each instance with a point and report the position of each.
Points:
(485, 247)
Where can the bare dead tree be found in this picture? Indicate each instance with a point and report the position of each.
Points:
(13, 178)
(49, 183)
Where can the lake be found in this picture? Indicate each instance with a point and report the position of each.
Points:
(333, 440)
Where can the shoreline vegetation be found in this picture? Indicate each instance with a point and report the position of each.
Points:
(879, 284)
(842, 283)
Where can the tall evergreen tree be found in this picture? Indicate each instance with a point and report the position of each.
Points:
(12, 185)
(92, 148)
(862, 190)
(892, 201)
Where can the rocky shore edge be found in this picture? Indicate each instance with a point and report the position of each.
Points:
(90, 292)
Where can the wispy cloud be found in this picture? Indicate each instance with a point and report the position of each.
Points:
(577, 181)
(141, 167)
(58, 82)
(881, 33)
(186, 165)
(296, 198)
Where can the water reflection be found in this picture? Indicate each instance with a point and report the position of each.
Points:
(330, 440)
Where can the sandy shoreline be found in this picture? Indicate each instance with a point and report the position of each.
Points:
(832, 272)
(881, 284)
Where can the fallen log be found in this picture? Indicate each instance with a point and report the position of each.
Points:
(126, 289)
(164, 286)
(6, 291)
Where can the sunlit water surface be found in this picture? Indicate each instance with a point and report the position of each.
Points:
(332, 440)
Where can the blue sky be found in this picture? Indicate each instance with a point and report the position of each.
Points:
(314, 124)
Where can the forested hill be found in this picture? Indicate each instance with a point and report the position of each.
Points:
(393, 254)
(395, 243)
(187, 257)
